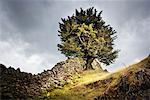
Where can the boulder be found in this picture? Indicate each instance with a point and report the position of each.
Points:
(97, 65)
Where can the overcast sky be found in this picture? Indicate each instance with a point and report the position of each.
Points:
(28, 30)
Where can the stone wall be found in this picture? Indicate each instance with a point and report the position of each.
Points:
(16, 84)
(61, 73)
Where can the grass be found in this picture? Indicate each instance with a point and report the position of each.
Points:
(88, 84)
(91, 76)
(77, 90)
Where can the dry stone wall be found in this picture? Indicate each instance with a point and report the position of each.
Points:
(21, 85)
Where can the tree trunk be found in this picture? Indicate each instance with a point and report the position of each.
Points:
(89, 63)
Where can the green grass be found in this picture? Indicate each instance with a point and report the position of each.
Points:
(77, 90)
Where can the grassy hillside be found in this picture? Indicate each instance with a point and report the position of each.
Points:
(128, 83)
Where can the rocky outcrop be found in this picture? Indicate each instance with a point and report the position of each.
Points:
(139, 89)
(97, 65)
(134, 84)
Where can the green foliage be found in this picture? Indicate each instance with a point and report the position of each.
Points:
(86, 35)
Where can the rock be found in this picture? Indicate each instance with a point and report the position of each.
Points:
(133, 84)
(129, 91)
(96, 65)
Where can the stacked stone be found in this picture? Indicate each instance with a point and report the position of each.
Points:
(21, 85)
(18, 85)
(61, 73)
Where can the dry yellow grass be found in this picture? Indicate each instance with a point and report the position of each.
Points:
(79, 90)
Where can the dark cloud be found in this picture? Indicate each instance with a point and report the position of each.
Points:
(26, 15)
(31, 20)
(35, 22)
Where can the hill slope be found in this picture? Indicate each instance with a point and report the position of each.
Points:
(131, 83)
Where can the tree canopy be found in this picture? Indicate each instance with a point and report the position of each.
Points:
(85, 34)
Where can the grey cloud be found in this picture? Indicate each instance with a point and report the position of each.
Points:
(25, 15)
(134, 43)
(36, 22)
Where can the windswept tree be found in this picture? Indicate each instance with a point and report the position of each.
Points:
(86, 35)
